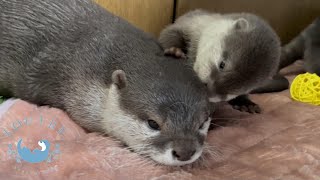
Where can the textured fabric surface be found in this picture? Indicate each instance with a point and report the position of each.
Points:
(281, 143)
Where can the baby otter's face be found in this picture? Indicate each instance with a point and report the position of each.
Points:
(237, 72)
(237, 60)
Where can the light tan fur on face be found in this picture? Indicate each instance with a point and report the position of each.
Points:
(124, 125)
(210, 48)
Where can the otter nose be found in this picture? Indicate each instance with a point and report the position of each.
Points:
(183, 154)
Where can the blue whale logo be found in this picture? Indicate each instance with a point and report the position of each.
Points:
(36, 155)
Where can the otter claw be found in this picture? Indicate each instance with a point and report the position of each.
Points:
(244, 104)
(248, 108)
(175, 52)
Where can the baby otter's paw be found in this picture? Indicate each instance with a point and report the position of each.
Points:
(243, 103)
(175, 52)
(254, 108)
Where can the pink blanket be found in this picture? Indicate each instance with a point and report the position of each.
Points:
(281, 143)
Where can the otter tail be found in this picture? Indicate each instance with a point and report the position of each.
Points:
(276, 84)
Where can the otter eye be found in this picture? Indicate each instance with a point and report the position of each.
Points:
(153, 125)
(222, 65)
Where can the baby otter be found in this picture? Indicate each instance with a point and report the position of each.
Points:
(108, 75)
(232, 53)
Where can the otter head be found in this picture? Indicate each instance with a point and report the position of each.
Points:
(161, 115)
(235, 56)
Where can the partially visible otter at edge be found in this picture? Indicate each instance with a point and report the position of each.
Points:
(109, 76)
(306, 46)
(233, 54)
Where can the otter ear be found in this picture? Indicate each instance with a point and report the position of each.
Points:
(241, 24)
(119, 78)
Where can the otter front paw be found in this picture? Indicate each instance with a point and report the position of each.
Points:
(175, 52)
(243, 103)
